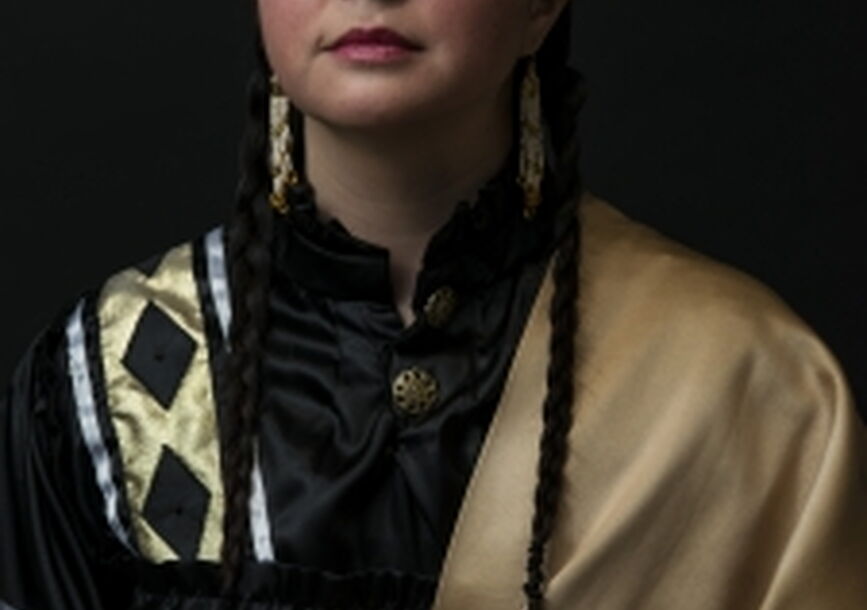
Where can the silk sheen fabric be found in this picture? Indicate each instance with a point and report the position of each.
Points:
(352, 483)
(716, 461)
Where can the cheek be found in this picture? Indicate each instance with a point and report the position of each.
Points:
(289, 34)
(487, 23)
(482, 38)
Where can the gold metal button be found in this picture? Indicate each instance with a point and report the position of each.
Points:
(415, 391)
(440, 306)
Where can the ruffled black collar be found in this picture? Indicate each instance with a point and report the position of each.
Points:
(480, 243)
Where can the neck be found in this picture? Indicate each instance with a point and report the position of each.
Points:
(396, 188)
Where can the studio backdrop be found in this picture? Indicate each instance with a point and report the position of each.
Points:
(733, 126)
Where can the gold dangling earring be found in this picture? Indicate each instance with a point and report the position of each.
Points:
(283, 172)
(532, 161)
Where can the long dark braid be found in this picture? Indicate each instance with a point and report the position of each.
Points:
(563, 96)
(249, 239)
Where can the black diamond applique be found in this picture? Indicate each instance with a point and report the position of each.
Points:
(148, 267)
(159, 354)
(176, 505)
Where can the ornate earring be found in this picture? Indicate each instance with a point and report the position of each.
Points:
(283, 172)
(532, 160)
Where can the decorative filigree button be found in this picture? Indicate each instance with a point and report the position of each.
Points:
(415, 391)
(440, 306)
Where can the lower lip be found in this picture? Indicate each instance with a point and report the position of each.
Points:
(373, 53)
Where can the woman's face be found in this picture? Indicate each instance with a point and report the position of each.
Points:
(462, 54)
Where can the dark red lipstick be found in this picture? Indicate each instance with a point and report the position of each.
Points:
(376, 45)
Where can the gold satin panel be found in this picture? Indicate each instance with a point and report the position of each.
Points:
(716, 461)
(141, 424)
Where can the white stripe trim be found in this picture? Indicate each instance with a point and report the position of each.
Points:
(218, 279)
(260, 524)
(82, 386)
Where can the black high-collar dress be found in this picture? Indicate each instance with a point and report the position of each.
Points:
(110, 494)
(715, 460)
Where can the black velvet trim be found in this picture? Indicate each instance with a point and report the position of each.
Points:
(93, 342)
(281, 587)
(217, 344)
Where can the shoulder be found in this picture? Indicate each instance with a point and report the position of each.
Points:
(158, 337)
(657, 275)
(167, 306)
(146, 325)
(180, 281)
(176, 278)
(633, 273)
(675, 317)
(706, 413)
(158, 321)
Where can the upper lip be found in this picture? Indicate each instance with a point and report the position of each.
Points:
(373, 36)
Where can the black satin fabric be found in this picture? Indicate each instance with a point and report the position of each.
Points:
(353, 483)
(56, 551)
(362, 499)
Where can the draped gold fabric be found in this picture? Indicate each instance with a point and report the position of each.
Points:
(716, 461)
(144, 427)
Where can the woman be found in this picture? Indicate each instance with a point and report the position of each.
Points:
(362, 393)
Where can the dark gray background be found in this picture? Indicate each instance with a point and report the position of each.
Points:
(734, 126)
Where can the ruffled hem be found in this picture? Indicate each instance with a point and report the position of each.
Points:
(273, 586)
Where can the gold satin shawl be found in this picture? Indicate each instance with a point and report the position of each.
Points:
(716, 461)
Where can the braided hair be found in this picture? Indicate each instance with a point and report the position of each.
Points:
(562, 97)
(249, 238)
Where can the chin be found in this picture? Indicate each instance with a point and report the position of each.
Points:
(372, 113)
(375, 101)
